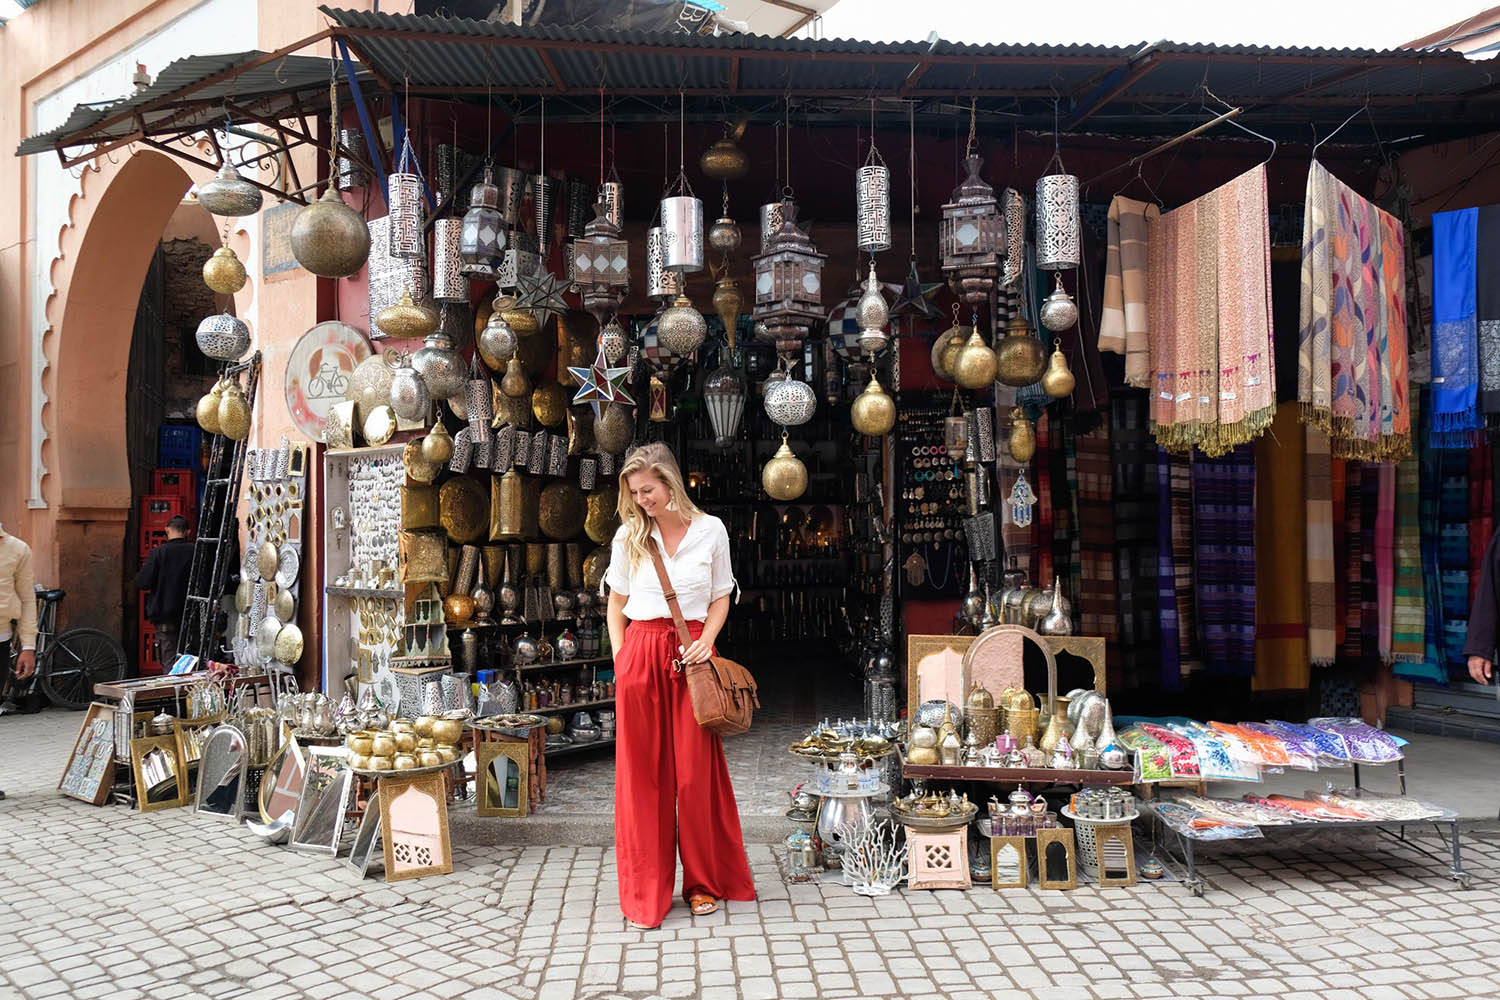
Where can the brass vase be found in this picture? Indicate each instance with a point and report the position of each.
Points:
(1057, 726)
(1021, 358)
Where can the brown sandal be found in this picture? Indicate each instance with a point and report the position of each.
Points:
(702, 903)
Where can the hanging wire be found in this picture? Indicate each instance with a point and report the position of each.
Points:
(911, 171)
(489, 123)
(786, 190)
(973, 107)
(543, 143)
(601, 136)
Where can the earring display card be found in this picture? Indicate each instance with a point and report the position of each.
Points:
(932, 508)
(90, 770)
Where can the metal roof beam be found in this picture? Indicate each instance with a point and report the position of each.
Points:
(1109, 90)
(551, 67)
(1323, 83)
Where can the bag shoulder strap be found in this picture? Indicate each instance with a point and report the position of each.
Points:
(683, 635)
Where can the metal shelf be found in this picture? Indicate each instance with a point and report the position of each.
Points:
(567, 748)
(592, 661)
(576, 706)
(390, 595)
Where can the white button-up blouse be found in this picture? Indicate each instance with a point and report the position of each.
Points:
(700, 572)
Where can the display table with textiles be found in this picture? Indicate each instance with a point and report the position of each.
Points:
(1176, 750)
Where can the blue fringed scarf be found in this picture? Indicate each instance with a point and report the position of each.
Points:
(1456, 419)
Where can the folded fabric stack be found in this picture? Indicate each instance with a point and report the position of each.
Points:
(1228, 752)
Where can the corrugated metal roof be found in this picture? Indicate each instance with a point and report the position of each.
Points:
(190, 94)
(1142, 90)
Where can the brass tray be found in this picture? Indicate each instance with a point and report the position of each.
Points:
(935, 824)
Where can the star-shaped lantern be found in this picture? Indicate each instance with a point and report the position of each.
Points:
(599, 384)
(542, 293)
(915, 298)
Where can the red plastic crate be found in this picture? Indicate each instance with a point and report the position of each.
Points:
(150, 539)
(147, 659)
(178, 483)
(159, 508)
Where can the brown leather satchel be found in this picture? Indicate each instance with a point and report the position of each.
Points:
(723, 693)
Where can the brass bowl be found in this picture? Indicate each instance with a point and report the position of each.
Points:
(447, 754)
(922, 756)
(405, 743)
(361, 743)
(383, 745)
(403, 762)
(359, 762)
(448, 731)
(429, 758)
(380, 763)
(423, 725)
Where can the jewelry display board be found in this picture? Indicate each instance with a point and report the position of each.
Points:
(265, 632)
(91, 766)
(364, 607)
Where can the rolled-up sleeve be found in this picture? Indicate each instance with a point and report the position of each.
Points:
(617, 576)
(721, 568)
(25, 584)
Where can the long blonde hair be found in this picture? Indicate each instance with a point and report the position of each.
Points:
(657, 459)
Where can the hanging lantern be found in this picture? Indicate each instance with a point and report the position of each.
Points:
(874, 411)
(404, 196)
(789, 284)
(872, 204)
(409, 397)
(661, 284)
(727, 302)
(350, 174)
(971, 236)
(1015, 238)
(448, 284)
(770, 224)
(1058, 380)
(390, 278)
(1058, 311)
(785, 477)
(1021, 442)
(612, 194)
(544, 193)
(615, 429)
(482, 237)
(456, 322)
(724, 160)
(681, 329)
(872, 314)
(1057, 227)
(682, 231)
(613, 342)
(329, 238)
(514, 383)
(441, 367)
(724, 397)
(581, 200)
(479, 399)
(497, 341)
(790, 402)
(521, 258)
(511, 184)
(223, 337)
(1019, 355)
(843, 325)
(956, 437)
(601, 265)
(655, 354)
(975, 365)
(223, 273)
(228, 194)
(659, 412)
(406, 320)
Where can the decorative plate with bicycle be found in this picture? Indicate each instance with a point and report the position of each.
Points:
(317, 373)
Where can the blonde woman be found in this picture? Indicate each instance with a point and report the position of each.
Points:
(672, 790)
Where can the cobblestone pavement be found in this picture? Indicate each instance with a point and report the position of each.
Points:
(105, 902)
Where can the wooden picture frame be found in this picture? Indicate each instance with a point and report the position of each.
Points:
(1062, 837)
(1009, 871)
(489, 799)
(143, 751)
(414, 826)
(918, 648)
(1120, 834)
(89, 777)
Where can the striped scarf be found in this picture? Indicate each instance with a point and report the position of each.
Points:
(1408, 611)
(1224, 529)
(1099, 597)
(1124, 321)
(1322, 598)
(1133, 477)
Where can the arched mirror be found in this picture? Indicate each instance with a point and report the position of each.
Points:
(221, 774)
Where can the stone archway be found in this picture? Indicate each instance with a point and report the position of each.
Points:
(87, 399)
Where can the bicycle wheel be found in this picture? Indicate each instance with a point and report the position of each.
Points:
(77, 660)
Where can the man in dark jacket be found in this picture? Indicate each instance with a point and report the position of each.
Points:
(1479, 644)
(165, 575)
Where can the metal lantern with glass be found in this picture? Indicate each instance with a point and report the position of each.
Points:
(788, 284)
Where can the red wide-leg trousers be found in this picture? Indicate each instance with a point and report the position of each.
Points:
(672, 790)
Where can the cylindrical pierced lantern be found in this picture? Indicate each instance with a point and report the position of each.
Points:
(390, 277)
(483, 233)
(1057, 231)
(512, 185)
(682, 234)
(1015, 237)
(544, 193)
(404, 195)
(612, 194)
(521, 257)
(872, 207)
(580, 207)
(660, 283)
(770, 223)
(448, 285)
(350, 174)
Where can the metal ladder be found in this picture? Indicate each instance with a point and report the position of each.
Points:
(218, 527)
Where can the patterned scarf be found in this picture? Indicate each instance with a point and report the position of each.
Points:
(1487, 308)
(1453, 554)
(1098, 594)
(1350, 646)
(1123, 324)
(1214, 381)
(1352, 368)
(1166, 577)
(1409, 612)
(1429, 473)
(1369, 600)
(1224, 528)
(1385, 556)
(1322, 599)
(1134, 480)
(1281, 579)
(1455, 348)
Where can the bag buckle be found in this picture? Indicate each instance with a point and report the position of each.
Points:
(678, 666)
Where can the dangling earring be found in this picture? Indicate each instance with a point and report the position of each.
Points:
(672, 504)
